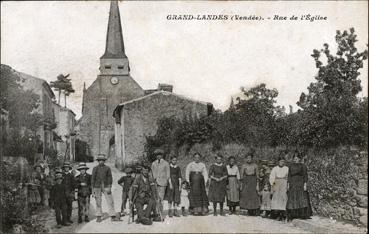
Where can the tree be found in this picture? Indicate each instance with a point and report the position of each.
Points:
(62, 84)
(330, 109)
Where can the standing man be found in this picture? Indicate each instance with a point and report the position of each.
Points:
(144, 193)
(101, 182)
(69, 183)
(161, 173)
(83, 192)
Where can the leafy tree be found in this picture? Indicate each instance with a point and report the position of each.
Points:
(330, 109)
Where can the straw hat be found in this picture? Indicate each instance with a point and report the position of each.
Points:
(82, 166)
(101, 157)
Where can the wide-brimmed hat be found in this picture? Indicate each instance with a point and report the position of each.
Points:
(82, 166)
(128, 170)
(158, 152)
(67, 164)
(58, 171)
(101, 157)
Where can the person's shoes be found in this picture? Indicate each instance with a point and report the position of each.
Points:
(70, 221)
(170, 213)
(145, 221)
(87, 219)
(115, 219)
(157, 219)
(176, 213)
(122, 214)
(80, 219)
(58, 226)
(66, 224)
(222, 213)
(215, 213)
(98, 219)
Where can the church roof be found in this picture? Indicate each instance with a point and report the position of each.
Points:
(114, 38)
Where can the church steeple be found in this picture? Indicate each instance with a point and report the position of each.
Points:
(114, 37)
(114, 61)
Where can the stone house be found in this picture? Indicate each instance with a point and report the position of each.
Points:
(136, 119)
(64, 133)
(47, 97)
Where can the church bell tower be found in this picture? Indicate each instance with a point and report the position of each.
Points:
(114, 62)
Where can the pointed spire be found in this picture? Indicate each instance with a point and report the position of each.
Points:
(114, 37)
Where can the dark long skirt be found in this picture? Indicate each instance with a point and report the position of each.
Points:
(249, 199)
(296, 195)
(197, 196)
(217, 190)
(174, 194)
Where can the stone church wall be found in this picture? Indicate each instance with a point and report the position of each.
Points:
(98, 105)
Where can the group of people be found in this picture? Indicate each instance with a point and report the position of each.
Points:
(280, 193)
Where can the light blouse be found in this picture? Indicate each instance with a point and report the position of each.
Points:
(196, 167)
(233, 171)
(278, 173)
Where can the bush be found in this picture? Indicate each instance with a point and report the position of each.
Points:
(14, 202)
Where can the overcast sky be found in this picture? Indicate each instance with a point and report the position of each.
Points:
(205, 60)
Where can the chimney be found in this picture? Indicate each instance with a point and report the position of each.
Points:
(165, 87)
(291, 109)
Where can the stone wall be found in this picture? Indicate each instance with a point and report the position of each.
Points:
(338, 178)
(99, 102)
(139, 119)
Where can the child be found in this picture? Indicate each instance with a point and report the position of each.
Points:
(59, 200)
(265, 201)
(173, 194)
(184, 197)
(83, 192)
(33, 192)
(126, 183)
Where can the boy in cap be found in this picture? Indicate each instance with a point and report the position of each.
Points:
(59, 199)
(161, 173)
(101, 182)
(126, 182)
(144, 193)
(83, 192)
(69, 183)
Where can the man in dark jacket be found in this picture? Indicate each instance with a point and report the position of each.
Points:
(144, 192)
(83, 192)
(58, 199)
(101, 182)
(69, 183)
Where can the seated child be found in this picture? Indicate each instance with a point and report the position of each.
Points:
(126, 183)
(58, 199)
(185, 187)
(265, 201)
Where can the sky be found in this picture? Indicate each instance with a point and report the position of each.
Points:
(203, 59)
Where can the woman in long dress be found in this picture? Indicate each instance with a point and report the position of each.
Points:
(297, 204)
(278, 181)
(218, 184)
(197, 176)
(249, 198)
(233, 188)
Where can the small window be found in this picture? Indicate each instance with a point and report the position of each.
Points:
(120, 67)
(107, 67)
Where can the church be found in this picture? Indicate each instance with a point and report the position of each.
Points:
(117, 113)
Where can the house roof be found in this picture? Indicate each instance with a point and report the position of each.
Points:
(121, 105)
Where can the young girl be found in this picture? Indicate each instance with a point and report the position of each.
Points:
(265, 201)
(173, 194)
(184, 197)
